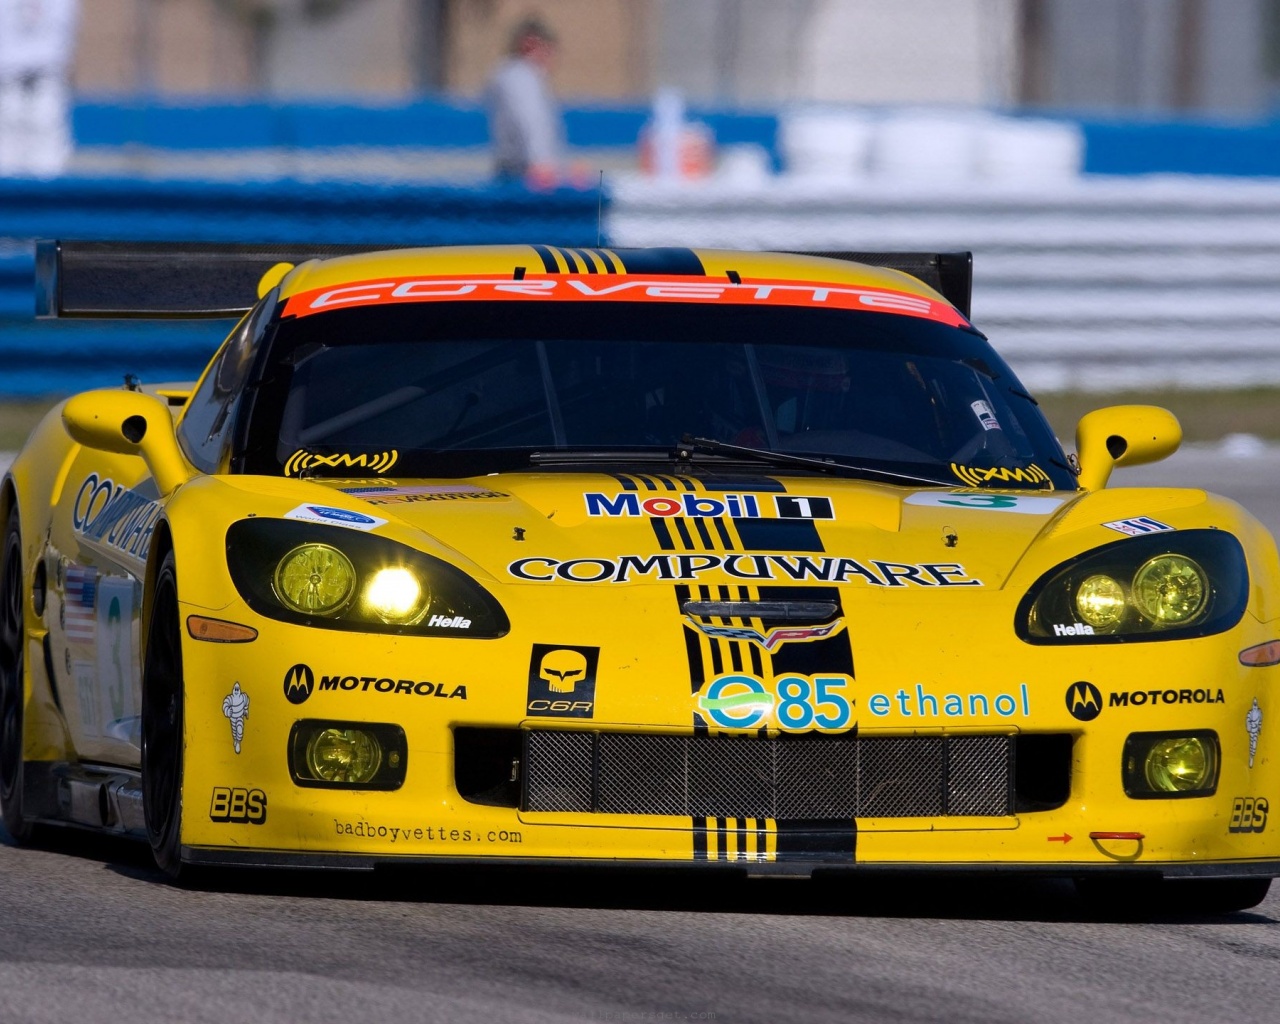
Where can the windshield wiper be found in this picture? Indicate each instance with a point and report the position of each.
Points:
(709, 446)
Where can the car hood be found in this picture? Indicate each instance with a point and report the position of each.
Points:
(575, 528)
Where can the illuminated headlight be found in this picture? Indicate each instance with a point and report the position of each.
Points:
(1184, 583)
(334, 578)
(1165, 765)
(396, 594)
(347, 755)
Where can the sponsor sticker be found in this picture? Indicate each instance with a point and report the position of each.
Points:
(335, 517)
(985, 501)
(622, 288)
(415, 493)
(793, 703)
(1253, 725)
(703, 506)
(235, 708)
(1085, 702)
(1138, 526)
(1032, 476)
(800, 568)
(300, 682)
(921, 703)
(303, 461)
(1248, 814)
(562, 681)
(238, 806)
(985, 416)
(110, 514)
(78, 619)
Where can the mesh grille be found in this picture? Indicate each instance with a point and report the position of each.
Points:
(979, 779)
(563, 781)
(791, 778)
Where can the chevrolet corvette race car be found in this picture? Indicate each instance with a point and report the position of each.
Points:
(651, 557)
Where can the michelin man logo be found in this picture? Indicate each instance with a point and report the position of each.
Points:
(235, 706)
(1253, 723)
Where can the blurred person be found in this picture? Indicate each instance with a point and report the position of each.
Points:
(526, 125)
(37, 39)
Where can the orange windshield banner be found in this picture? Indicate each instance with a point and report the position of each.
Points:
(621, 288)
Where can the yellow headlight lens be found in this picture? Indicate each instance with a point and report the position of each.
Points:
(397, 595)
(1170, 590)
(1100, 601)
(344, 755)
(315, 579)
(1179, 764)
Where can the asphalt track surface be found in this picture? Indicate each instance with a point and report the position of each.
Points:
(89, 932)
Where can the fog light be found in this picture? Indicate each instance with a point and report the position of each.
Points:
(1100, 601)
(396, 595)
(344, 755)
(1170, 764)
(347, 755)
(1170, 590)
(315, 579)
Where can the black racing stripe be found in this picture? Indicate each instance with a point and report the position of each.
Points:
(569, 261)
(723, 531)
(721, 853)
(588, 264)
(832, 654)
(740, 483)
(818, 839)
(606, 257)
(627, 483)
(685, 537)
(735, 656)
(549, 263)
(778, 535)
(757, 662)
(648, 482)
(717, 659)
(699, 838)
(762, 842)
(668, 260)
(704, 534)
(668, 483)
(662, 533)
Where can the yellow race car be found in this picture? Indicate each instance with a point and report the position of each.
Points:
(643, 557)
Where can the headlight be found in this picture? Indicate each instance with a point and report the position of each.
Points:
(1164, 765)
(335, 578)
(1167, 586)
(315, 578)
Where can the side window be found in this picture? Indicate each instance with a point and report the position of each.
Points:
(205, 429)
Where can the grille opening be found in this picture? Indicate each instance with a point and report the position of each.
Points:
(483, 762)
(1042, 772)
(785, 778)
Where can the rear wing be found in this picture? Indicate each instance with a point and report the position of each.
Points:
(180, 280)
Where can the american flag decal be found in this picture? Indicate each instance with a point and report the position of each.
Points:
(81, 586)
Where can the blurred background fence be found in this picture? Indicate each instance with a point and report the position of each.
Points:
(1114, 164)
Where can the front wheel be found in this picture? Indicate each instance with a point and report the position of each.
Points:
(12, 684)
(162, 724)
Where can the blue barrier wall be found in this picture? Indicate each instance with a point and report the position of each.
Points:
(55, 357)
(425, 123)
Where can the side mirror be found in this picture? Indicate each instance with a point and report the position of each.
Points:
(129, 423)
(1123, 435)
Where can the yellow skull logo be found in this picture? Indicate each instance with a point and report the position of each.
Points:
(562, 669)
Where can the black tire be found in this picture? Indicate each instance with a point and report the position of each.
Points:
(162, 709)
(12, 684)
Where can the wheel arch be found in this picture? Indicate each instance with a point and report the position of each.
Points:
(161, 545)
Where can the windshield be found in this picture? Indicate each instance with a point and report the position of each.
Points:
(457, 389)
